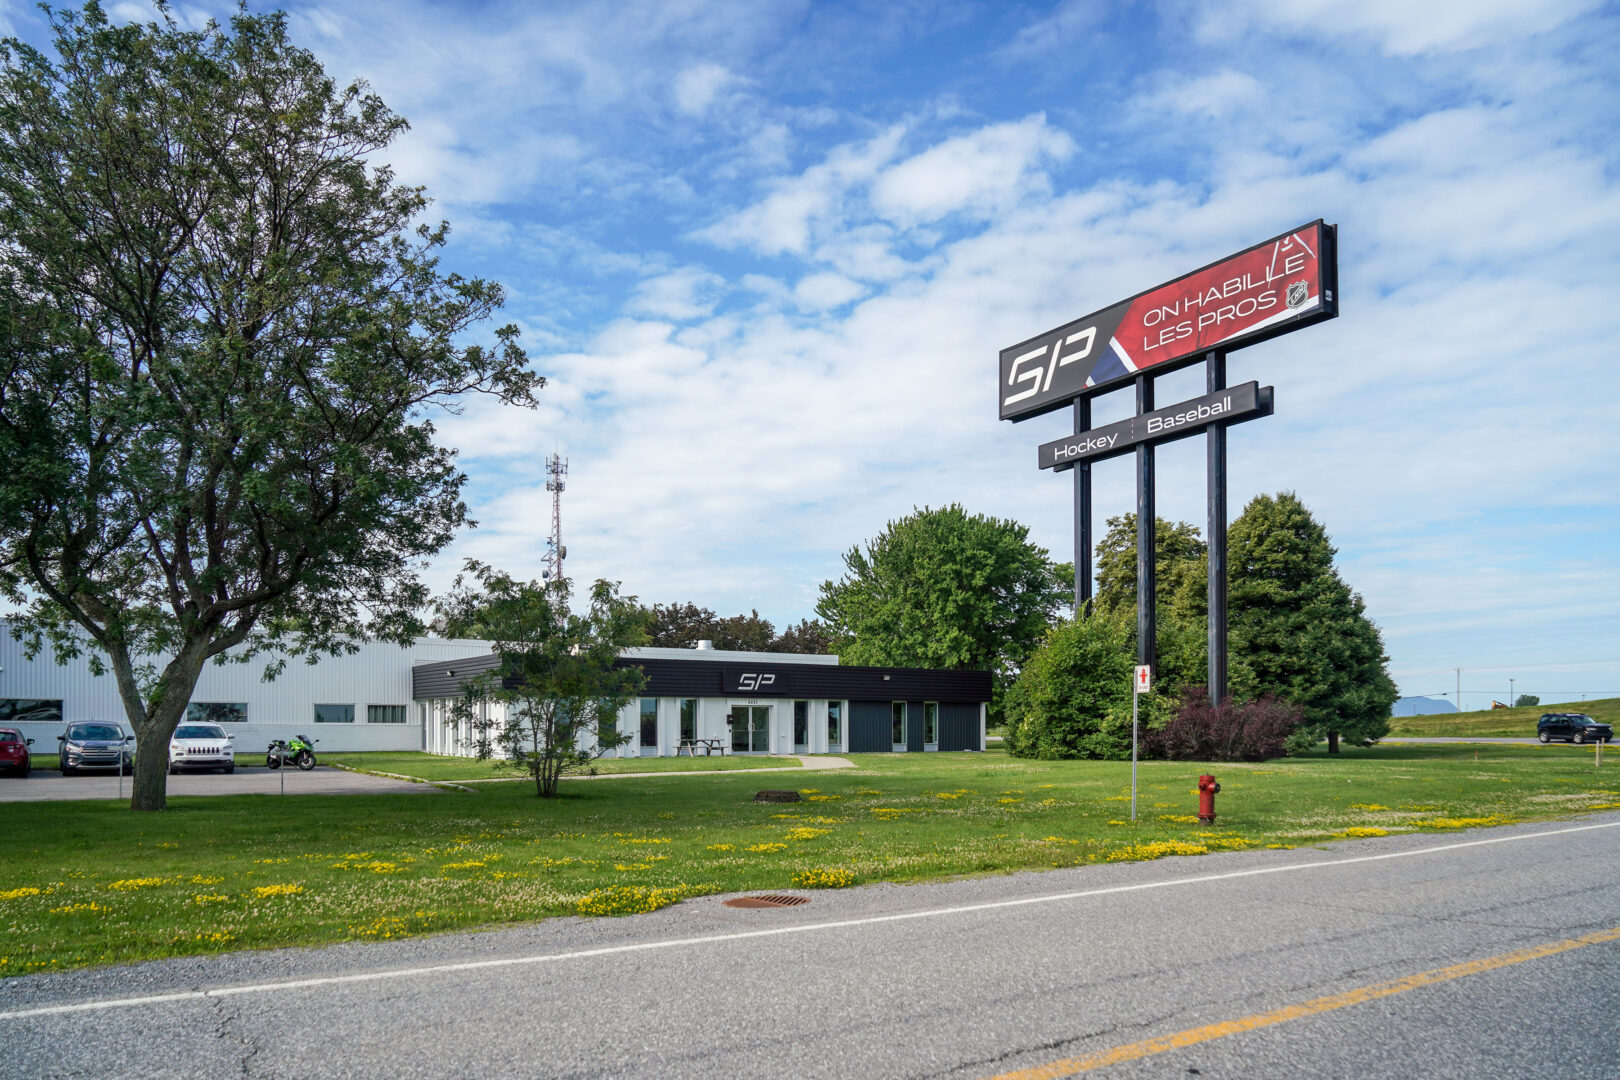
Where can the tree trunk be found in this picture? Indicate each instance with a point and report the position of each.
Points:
(154, 729)
(1333, 742)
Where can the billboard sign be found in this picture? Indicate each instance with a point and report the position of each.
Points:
(1246, 402)
(1285, 283)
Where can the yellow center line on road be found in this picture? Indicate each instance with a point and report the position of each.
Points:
(1192, 1036)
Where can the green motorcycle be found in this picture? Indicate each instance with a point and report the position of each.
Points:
(297, 751)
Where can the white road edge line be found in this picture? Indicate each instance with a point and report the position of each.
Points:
(673, 943)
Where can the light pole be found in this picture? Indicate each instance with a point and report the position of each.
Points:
(1511, 699)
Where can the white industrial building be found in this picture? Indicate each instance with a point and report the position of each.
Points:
(388, 697)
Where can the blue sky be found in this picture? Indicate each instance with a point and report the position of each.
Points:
(767, 253)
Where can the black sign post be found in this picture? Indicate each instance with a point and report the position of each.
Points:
(1283, 284)
(1215, 458)
(1082, 517)
(1147, 520)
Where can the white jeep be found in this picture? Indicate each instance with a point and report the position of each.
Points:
(201, 746)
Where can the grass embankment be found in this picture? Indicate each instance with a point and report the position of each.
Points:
(421, 766)
(1500, 723)
(91, 883)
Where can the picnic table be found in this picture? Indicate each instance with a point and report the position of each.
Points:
(690, 746)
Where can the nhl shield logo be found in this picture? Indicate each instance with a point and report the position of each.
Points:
(1298, 293)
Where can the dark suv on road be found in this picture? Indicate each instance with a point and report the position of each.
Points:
(1572, 727)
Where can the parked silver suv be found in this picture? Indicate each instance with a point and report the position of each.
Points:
(94, 744)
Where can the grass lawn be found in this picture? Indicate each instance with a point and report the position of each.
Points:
(91, 883)
(1494, 723)
(442, 767)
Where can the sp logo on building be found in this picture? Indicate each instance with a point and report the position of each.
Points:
(753, 681)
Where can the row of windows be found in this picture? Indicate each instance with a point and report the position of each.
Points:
(930, 723)
(689, 709)
(27, 710)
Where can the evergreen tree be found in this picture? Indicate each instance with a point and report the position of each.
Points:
(1297, 630)
(1178, 563)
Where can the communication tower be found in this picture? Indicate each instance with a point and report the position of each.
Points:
(556, 474)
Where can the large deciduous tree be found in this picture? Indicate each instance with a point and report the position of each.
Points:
(946, 589)
(222, 339)
(549, 705)
(1297, 630)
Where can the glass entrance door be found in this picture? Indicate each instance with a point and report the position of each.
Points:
(750, 729)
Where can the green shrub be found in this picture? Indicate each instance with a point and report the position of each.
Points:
(1073, 698)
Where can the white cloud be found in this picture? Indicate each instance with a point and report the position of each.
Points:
(1068, 20)
(820, 292)
(684, 294)
(1218, 94)
(983, 171)
(783, 221)
(697, 87)
(1402, 28)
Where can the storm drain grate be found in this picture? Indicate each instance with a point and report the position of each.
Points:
(769, 900)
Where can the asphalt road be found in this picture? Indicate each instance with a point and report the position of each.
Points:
(1512, 740)
(43, 785)
(988, 977)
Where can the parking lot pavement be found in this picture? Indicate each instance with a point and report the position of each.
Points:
(45, 785)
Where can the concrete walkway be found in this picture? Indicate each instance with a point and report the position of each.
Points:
(812, 763)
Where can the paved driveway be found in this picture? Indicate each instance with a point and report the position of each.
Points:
(247, 780)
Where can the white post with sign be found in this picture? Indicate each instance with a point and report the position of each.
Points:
(1141, 683)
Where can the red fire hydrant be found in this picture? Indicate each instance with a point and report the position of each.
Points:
(1207, 787)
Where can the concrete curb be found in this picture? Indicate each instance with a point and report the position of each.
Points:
(445, 784)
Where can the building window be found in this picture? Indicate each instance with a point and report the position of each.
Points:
(688, 719)
(801, 723)
(216, 712)
(930, 722)
(899, 723)
(385, 714)
(30, 711)
(649, 721)
(334, 714)
(835, 723)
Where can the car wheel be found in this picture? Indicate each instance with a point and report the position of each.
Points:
(1579, 738)
(227, 770)
(1544, 737)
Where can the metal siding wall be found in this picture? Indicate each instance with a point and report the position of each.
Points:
(870, 724)
(377, 674)
(959, 726)
(914, 727)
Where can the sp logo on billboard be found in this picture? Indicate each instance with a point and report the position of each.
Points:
(753, 681)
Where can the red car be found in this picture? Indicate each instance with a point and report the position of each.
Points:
(14, 751)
